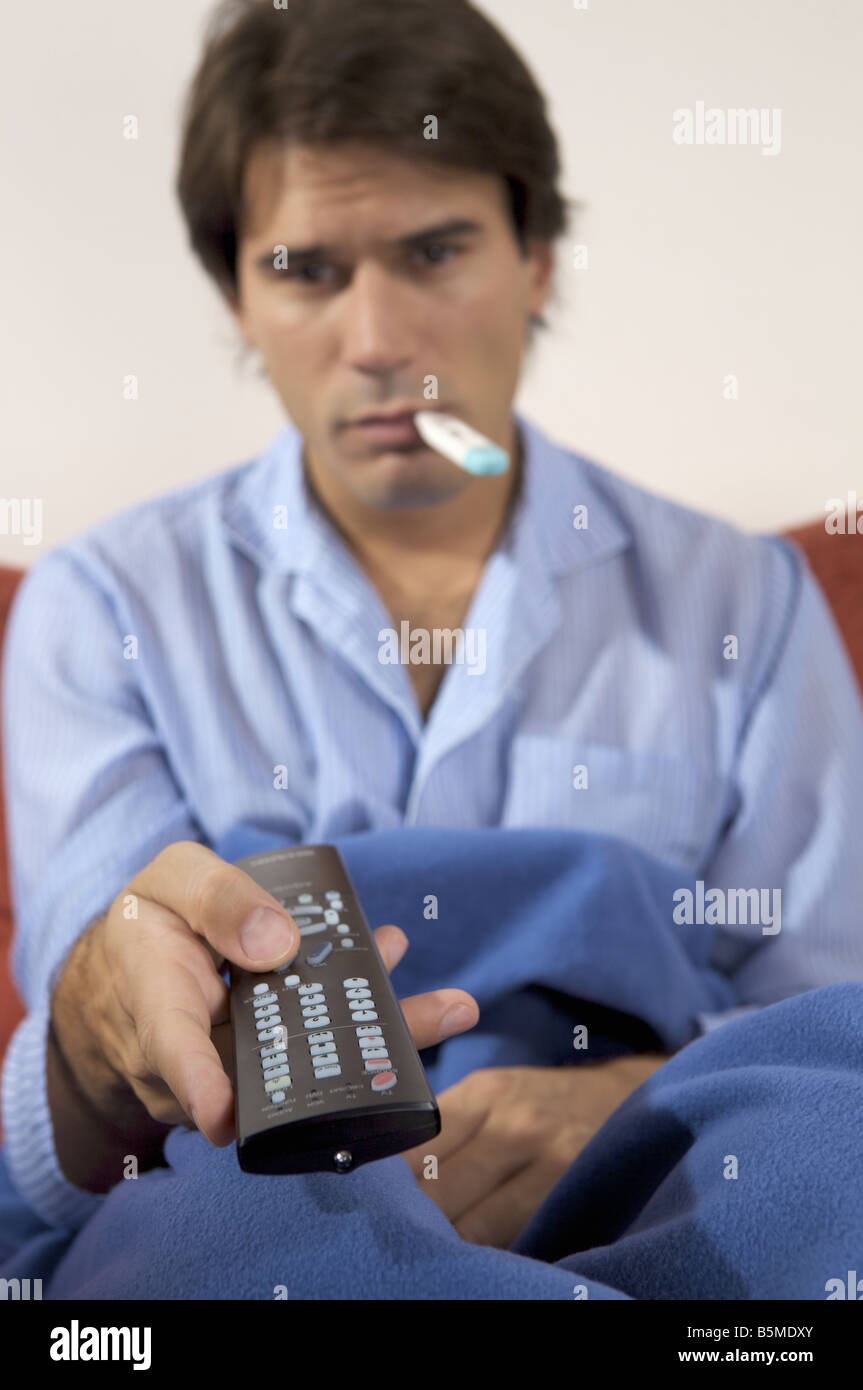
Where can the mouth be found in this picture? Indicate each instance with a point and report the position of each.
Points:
(398, 430)
(392, 429)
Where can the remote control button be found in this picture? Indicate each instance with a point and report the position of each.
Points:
(267, 1011)
(313, 929)
(376, 1041)
(304, 898)
(349, 984)
(365, 1016)
(359, 1006)
(272, 1072)
(374, 1054)
(343, 929)
(312, 1009)
(320, 953)
(331, 917)
(348, 944)
(320, 1022)
(365, 1032)
(358, 994)
(327, 1071)
(310, 989)
(263, 999)
(379, 1066)
(269, 1035)
(291, 981)
(319, 1038)
(277, 1097)
(319, 1048)
(332, 893)
(337, 904)
(261, 989)
(271, 1056)
(281, 1085)
(384, 1081)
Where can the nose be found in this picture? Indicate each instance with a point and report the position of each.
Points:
(378, 330)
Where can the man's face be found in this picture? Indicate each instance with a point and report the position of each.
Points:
(360, 325)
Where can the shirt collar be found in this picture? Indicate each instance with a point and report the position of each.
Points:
(269, 512)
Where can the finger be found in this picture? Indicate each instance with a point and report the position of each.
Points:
(440, 1014)
(239, 919)
(430, 1017)
(474, 1158)
(161, 935)
(463, 1113)
(392, 944)
(501, 1215)
(473, 1170)
(172, 1026)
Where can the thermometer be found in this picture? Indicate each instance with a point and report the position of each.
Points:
(457, 441)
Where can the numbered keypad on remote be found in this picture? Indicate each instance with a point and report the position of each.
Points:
(316, 914)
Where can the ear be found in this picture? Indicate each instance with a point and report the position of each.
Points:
(541, 258)
(239, 317)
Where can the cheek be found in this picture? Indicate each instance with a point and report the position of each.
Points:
(290, 342)
(494, 318)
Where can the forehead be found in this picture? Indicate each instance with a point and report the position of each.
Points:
(352, 190)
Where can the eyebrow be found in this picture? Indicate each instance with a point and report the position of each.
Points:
(455, 227)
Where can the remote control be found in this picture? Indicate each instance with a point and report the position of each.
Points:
(326, 1074)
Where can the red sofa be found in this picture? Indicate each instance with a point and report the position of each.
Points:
(836, 560)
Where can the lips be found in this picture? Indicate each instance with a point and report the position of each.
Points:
(394, 429)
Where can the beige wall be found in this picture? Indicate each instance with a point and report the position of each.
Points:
(704, 261)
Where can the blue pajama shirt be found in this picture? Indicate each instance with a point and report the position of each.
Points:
(215, 656)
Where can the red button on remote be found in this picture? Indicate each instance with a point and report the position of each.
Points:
(384, 1081)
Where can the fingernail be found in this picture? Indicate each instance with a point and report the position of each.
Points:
(265, 935)
(456, 1020)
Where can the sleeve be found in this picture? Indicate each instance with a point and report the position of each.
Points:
(796, 823)
(90, 800)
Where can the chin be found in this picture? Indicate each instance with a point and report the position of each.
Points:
(396, 481)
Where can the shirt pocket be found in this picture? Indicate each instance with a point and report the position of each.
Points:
(666, 804)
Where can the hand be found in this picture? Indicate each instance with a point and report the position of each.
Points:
(141, 1016)
(510, 1133)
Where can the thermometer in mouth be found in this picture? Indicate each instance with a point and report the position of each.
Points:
(457, 441)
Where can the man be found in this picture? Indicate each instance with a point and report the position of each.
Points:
(216, 656)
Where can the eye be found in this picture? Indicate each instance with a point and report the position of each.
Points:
(301, 275)
(438, 246)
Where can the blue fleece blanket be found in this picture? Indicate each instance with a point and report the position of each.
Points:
(692, 1189)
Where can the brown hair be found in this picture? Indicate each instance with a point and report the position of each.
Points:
(322, 72)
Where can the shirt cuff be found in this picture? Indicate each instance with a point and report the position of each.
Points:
(709, 1022)
(29, 1133)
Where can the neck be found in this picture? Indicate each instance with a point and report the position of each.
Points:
(439, 549)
